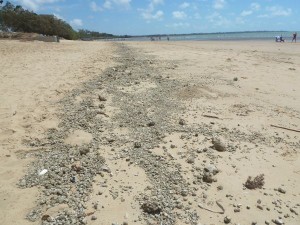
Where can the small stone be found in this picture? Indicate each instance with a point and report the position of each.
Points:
(125, 223)
(137, 145)
(281, 190)
(105, 169)
(260, 207)
(220, 187)
(218, 145)
(236, 210)
(211, 169)
(94, 218)
(227, 219)
(278, 221)
(179, 206)
(84, 151)
(208, 178)
(101, 98)
(267, 222)
(190, 160)
(199, 150)
(293, 211)
(151, 208)
(151, 124)
(181, 122)
(184, 193)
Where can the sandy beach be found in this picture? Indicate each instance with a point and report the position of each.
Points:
(149, 132)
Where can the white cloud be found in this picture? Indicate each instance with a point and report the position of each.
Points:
(35, 4)
(255, 6)
(184, 5)
(153, 16)
(157, 2)
(276, 11)
(58, 16)
(279, 11)
(76, 22)
(94, 7)
(179, 14)
(150, 14)
(246, 13)
(219, 4)
(154, 3)
(108, 4)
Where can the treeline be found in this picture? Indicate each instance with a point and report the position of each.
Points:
(93, 34)
(16, 19)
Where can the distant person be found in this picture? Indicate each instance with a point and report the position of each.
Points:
(279, 39)
(168, 38)
(294, 37)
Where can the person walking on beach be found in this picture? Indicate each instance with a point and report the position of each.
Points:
(294, 37)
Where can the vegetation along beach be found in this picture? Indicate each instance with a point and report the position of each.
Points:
(108, 128)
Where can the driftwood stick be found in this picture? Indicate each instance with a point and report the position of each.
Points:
(209, 116)
(285, 128)
(213, 211)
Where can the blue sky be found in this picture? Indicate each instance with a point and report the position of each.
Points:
(138, 17)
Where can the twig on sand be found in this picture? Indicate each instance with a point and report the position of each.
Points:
(210, 210)
(285, 128)
(103, 113)
(209, 116)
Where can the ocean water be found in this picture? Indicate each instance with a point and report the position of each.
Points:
(230, 36)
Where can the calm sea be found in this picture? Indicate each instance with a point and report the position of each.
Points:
(231, 36)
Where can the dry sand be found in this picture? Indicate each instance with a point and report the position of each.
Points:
(35, 76)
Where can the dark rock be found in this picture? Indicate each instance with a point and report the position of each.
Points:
(137, 145)
(281, 190)
(218, 145)
(190, 160)
(182, 122)
(101, 98)
(151, 208)
(227, 219)
(208, 178)
(151, 124)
